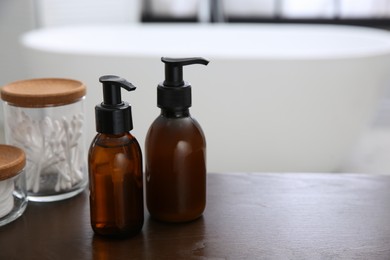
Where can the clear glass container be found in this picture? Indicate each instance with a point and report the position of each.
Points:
(45, 117)
(13, 194)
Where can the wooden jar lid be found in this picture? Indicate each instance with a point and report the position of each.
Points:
(12, 161)
(43, 92)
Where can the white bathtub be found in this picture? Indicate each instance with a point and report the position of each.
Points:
(273, 98)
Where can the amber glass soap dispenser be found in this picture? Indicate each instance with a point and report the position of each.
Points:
(115, 166)
(175, 151)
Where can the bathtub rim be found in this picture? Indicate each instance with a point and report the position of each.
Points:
(33, 40)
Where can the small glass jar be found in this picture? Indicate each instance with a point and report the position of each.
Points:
(45, 117)
(13, 195)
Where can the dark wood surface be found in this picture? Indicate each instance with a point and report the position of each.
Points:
(248, 216)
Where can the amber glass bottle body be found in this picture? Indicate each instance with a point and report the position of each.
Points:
(116, 185)
(175, 155)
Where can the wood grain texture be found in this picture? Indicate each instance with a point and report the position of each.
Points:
(248, 216)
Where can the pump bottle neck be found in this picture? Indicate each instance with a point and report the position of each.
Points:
(175, 113)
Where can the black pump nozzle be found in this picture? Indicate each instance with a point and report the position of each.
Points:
(174, 93)
(113, 116)
(174, 69)
(112, 89)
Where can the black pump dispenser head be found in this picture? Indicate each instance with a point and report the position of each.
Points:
(113, 116)
(174, 93)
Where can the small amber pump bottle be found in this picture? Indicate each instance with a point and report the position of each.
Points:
(175, 151)
(115, 166)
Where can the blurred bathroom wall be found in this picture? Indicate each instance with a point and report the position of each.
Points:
(19, 16)
(172, 8)
(249, 8)
(16, 17)
(364, 8)
(72, 12)
(308, 9)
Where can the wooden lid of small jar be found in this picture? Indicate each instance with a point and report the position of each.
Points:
(43, 92)
(12, 161)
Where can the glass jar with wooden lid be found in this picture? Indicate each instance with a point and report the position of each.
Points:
(45, 117)
(13, 195)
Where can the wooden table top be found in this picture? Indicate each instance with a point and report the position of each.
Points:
(248, 216)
